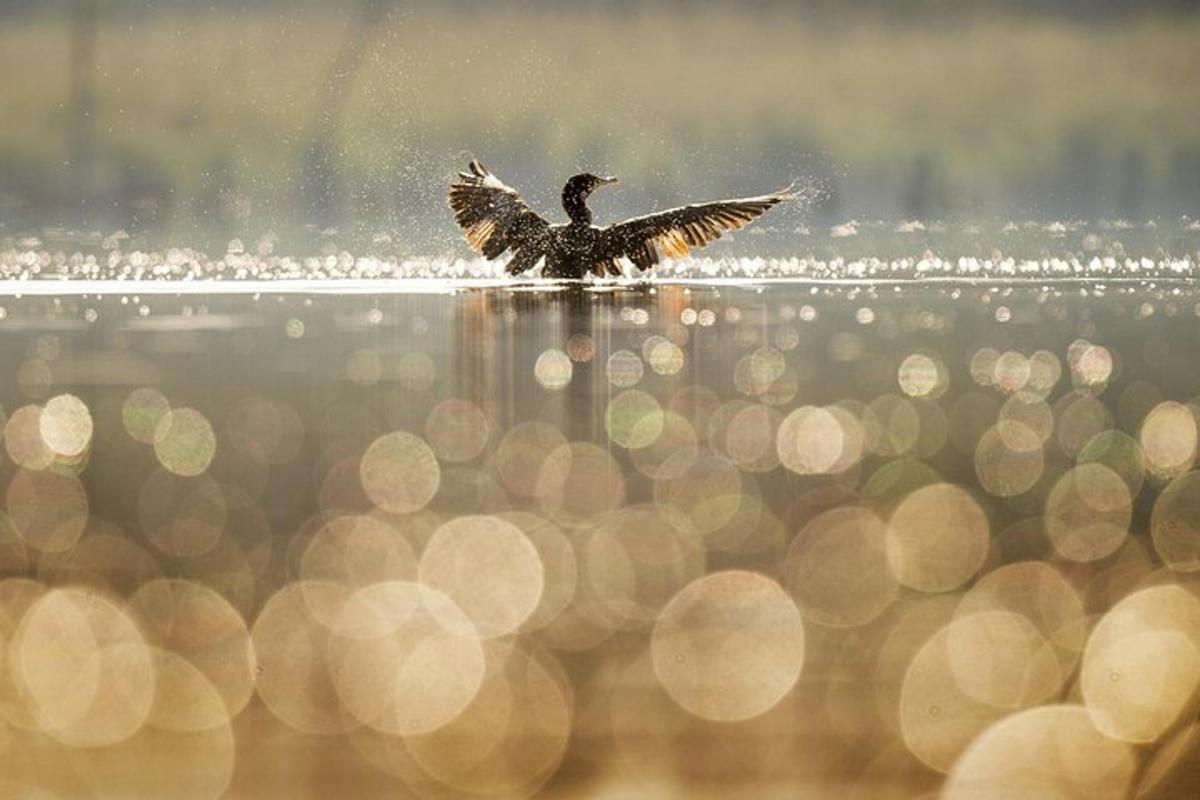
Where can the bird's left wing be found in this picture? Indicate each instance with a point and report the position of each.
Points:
(494, 217)
(646, 240)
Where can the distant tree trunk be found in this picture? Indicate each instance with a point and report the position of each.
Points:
(918, 194)
(320, 179)
(81, 142)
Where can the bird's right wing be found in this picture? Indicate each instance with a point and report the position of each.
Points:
(495, 218)
(645, 240)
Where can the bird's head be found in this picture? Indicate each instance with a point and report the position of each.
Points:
(584, 184)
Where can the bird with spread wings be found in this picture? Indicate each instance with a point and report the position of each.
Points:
(496, 220)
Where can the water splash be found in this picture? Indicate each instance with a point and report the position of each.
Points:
(867, 252)
(185, 270)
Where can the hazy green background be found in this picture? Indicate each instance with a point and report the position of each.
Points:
(214, 119)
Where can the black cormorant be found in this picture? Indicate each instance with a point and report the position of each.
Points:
(496, 219)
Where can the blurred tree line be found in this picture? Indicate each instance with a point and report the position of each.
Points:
(163, 111)
(1082, 9)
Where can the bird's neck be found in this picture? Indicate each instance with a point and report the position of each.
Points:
(575, 204)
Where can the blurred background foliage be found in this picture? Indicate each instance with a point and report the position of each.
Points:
(231, 118)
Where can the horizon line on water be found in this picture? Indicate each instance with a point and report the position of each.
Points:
(401, 286)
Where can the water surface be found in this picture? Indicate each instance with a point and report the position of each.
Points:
(802, 534)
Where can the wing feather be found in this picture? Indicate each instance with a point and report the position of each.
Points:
(671, 234)
(495, 218)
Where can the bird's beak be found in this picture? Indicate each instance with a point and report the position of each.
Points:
(608, 179)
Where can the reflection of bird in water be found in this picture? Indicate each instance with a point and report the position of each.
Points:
(496, 219)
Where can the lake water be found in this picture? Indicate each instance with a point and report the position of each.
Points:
(760, 528)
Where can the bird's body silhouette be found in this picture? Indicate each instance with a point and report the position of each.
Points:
(496, 219)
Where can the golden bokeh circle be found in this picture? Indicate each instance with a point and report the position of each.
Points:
(632, 562)
(399, 472)
(678, 436)
(811, 441)
(291, 638)
(700, 494)
(522, 452)
(512, 736)
(86, 672)
(560, 566)
(1168, 438)
(184, 442)
(1048, 751)
(624, 369)
(66, 425)
(729, 646)
(457, 430)
(1175, 523)
(579, 480)
(553, 370)
(751, 438)
(1088, 512)
(921, 375)
(937, 538)
(1141, 667)
(1121, 453)
(488, 568)
(837, 568)
(1041, 594)
(356, 550)
(1000, 658)
(194, 623)
(633, 419)
(48, 511)
(1009, 459)
(142, 411)
(23, 439)
(16, 596)
(403, 658)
